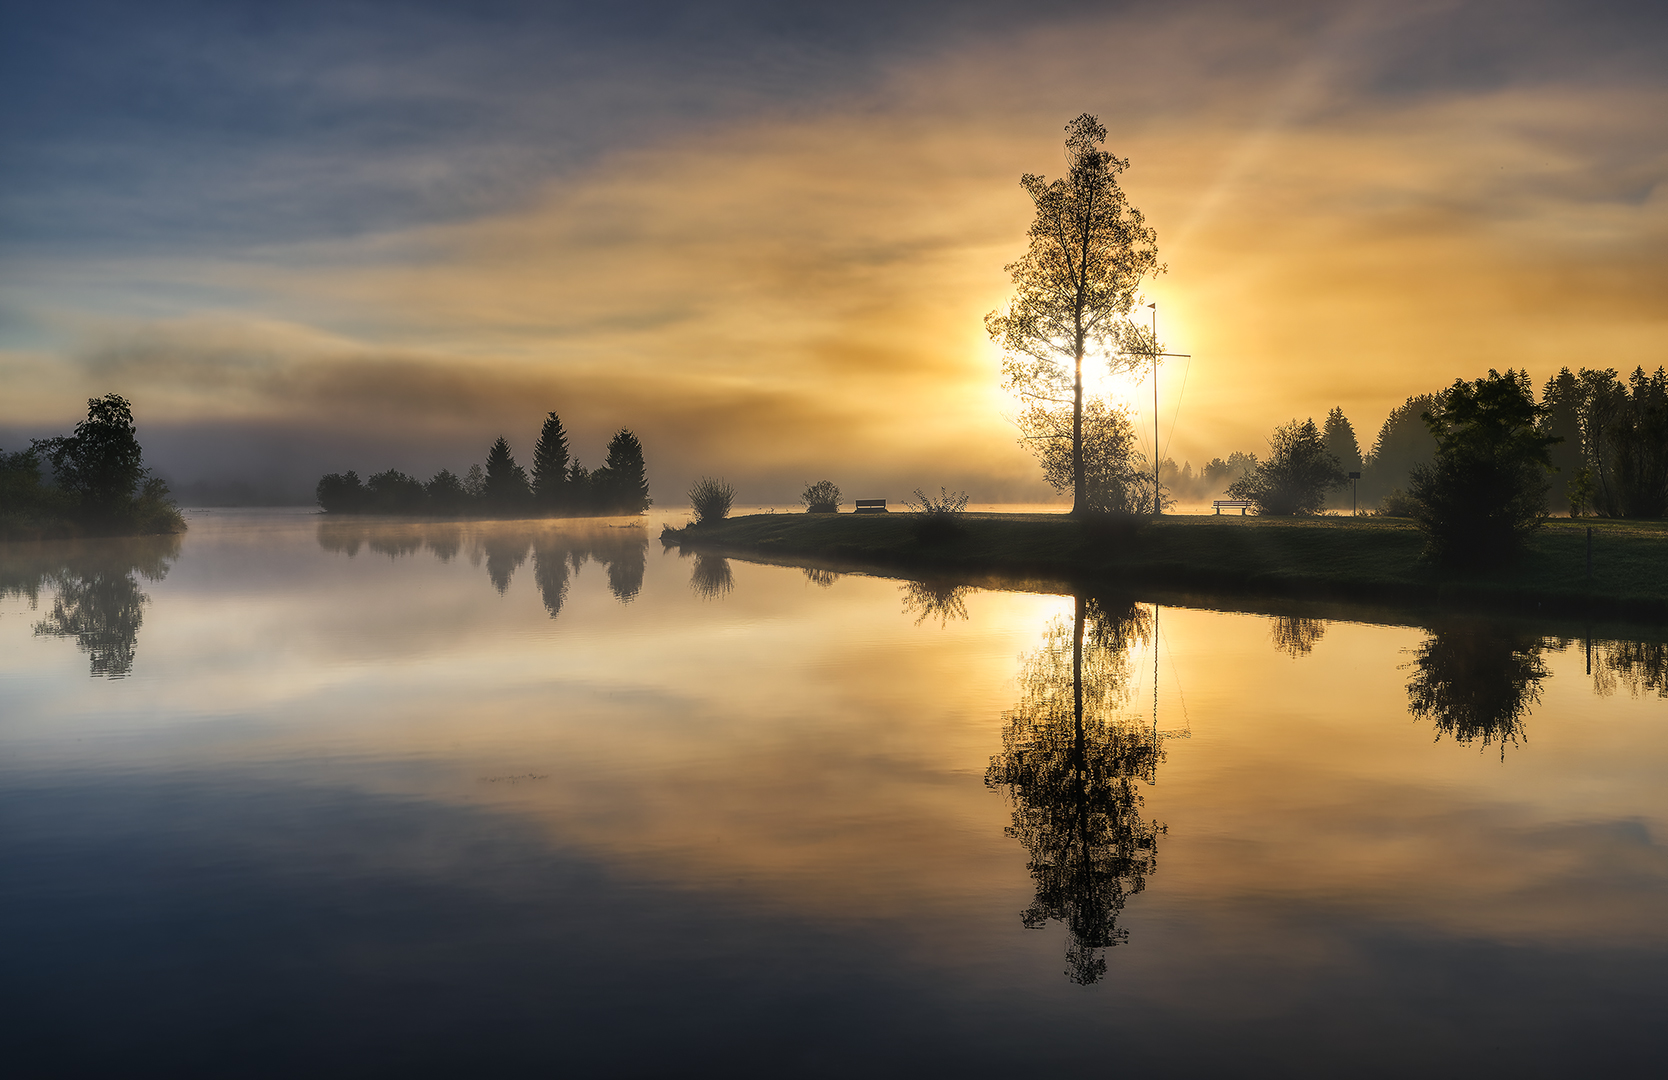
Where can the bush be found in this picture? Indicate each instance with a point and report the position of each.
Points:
(821, 497)
(1297, 475)
(1486, 490)
(940, 518)
(711, 497)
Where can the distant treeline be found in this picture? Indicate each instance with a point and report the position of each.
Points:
(91, 483)
(558, 485)
(1612, 460)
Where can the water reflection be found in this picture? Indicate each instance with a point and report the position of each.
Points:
(97, 600)
(558, 550)
(939, 601)
(1477, 680)
(820, 578)
(1071, 757)
(710, 577)
(1296, 636)
(1640, 666)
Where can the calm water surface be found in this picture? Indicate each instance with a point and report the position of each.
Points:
(295, 796)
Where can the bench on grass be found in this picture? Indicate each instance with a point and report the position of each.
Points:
(1241, 504)
(871, 506)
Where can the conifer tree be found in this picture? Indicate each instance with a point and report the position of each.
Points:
(550, 465)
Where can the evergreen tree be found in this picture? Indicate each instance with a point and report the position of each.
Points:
(1339, 435)
(623, 482)
(1403, 443)
(1561, 398)
(1485, 489)
(506, 482)
(550, 465)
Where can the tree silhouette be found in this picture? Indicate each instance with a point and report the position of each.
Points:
(1477, 681)
(622, 484)
(550, 465)
(1070, 763)
(506, 482)
(1296, 476)
(1485, 490)
(1078, 279)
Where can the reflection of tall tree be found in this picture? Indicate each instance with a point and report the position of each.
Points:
(1477, 681)
(550, 571)
(505, 552)
(1070, 762)
(97, 599)
(1296, 636)
(627, 557)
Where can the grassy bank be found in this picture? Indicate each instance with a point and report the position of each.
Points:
(1362, 559)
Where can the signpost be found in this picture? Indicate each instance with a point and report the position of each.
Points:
(1353, 477)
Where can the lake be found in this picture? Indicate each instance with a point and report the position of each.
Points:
(291, 795)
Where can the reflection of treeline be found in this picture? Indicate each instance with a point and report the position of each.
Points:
(558, 552)
(1478, 681)
(92, 482)
(95, 591)
(558, 484)
(1612, 462)
(1071, 760)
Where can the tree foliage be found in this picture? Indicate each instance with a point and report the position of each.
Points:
(1088, 252)
(621, 486)
(822, 497)
(98, 481)
(1107, 474)
(1616, 441)
(1485, 491)
(1403, 443)
(1296, 476)
(550, 465)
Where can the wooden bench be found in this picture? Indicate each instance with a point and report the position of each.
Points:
(871, 506)
(1241, 504)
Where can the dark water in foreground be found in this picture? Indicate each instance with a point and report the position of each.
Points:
(296, 797)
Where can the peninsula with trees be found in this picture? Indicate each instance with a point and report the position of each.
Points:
(1460, 487)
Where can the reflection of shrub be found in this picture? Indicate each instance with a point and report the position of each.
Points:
(940, 518)
(821, 497)
(711, 497)
(710, 577)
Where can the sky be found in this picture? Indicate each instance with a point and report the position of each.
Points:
(304, 238)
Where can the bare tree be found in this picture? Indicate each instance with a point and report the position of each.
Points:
(1075, 285)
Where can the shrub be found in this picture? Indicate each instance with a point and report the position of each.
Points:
(821, 497)
(1297, 475)
(711, 498)
(1486, 490)
(940, 518)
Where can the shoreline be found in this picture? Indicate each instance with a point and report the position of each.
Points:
(1371, 561)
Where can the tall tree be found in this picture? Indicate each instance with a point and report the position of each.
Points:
(101, 464)
(506, 482)
(1485, 491)
(622, 482)
(1339, 436)
(1403, 442)
(1074, 288)
(550, 464)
